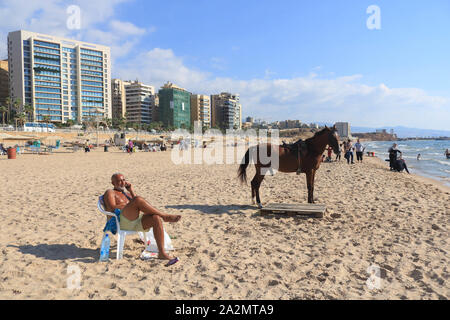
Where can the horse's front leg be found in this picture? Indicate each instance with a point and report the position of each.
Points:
(313, 176)
(310, 175)
(310, 186)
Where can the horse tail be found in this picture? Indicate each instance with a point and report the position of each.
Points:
(242, 172)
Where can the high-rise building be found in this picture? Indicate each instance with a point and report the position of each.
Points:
(174, 106)
(60, 78)
(118, 98)
(226, 111)
(343, 129)
(140, 102)
(201, 110)
(4, 83)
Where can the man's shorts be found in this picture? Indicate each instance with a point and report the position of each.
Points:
(132, 225)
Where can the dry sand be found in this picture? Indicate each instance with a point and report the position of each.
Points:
(50, 227)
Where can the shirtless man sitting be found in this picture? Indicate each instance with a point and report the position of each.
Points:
(130, 207)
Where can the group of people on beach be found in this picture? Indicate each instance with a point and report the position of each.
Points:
(348, 148)
(130, 147)
(396, 163)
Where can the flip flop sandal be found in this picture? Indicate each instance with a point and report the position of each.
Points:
(172, 261)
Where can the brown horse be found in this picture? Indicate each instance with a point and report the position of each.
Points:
(310, 152)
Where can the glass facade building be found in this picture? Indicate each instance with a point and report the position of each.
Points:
(61, 79)
(174, 106)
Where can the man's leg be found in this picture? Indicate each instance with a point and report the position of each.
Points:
(154, 221)
(151, 219)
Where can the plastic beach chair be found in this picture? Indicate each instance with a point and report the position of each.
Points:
(121, 234)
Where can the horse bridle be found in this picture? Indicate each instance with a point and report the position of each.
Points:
(332, 135)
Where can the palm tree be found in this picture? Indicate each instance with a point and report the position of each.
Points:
(126, 116)
(108, 122)
(8, 106)
(21, 118)
(17, 105)
(29, 111)
(121, 123)
(3, 110)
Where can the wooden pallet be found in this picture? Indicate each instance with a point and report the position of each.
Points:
(302, 209)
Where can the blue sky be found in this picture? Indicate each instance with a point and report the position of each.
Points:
(307, 60)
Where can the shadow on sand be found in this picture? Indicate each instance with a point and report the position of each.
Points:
(213, 209)
(60, 252)
(233, 209)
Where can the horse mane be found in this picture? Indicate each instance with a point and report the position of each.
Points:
(310, 140)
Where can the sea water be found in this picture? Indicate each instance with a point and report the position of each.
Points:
(432, 164)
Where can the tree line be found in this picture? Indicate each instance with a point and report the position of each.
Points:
(15, 112)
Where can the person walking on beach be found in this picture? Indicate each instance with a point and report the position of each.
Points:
(447, 154)
(338, 156)
(359, 148)
(130, 206)
(349, 151)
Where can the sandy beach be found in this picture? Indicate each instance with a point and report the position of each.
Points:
(51, 226)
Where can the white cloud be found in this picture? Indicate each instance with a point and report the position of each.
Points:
(121, 36)
(158, 66)
(126, 28)
(97, 22)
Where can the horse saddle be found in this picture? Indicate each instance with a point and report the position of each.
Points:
(294, 147)
(297, 149)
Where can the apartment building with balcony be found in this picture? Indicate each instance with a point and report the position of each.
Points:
(226, 111)
(60, 78)
(140, 102)
(118, 97)
(201, 110)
